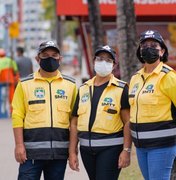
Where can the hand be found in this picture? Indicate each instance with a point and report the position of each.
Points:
(74, 162)
(20, 153)
(124, 159)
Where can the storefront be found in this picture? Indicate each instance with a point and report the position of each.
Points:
(150, 14)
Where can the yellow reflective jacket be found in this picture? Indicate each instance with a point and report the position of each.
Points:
(107, 121)
(152, 107)
(43, 109)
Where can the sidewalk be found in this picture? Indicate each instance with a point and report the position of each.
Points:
(8, 165)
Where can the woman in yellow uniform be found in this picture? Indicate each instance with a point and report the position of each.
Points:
(101, 121)
(152, 97)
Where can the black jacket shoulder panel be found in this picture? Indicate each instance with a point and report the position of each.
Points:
(68, 78)
(29, 77)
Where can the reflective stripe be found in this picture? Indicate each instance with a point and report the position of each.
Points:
(37, 145)
(101, 142)
(60, 144)
(46, 144)
(154, 134)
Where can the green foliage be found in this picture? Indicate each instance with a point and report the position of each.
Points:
(70, 27)
(49, 7)
(50, 14)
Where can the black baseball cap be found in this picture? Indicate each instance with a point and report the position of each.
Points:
(155, 35)
(107, 49)
(48, 44)
(151, 34)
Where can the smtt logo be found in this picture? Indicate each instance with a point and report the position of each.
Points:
(108, 101)
(149, 89)
(60, 93)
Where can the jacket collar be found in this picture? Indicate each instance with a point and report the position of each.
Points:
(157, 70)
(112, 81)
(37, 75)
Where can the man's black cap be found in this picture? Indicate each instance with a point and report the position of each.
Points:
(107, 49)
(48, 44)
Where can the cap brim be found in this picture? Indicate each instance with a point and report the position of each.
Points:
(51, 47)
(104, 50)
(150, 38)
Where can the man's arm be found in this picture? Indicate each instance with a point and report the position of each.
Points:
(20, 151)
(18, 115)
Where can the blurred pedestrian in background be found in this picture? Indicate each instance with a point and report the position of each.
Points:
(152, 96)
(75, 63)
(42, 106)
(101, 122)
(9, 75)
(24, 63)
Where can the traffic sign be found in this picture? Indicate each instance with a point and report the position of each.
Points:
(14, 30)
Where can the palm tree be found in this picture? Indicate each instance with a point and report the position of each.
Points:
(96, 27)
(126, 28)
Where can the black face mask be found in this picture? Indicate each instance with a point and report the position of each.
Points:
(150, 55)
(49, 64)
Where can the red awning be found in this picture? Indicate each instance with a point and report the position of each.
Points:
(108, 7)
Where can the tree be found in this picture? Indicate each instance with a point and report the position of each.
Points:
(96, 27)
(59, 28)
(126, 28)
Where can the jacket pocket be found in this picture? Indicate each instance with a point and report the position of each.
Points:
(81, 110)
(36, 113)
(133, 109)
(83, 118)
(149, 107)
(63, 114)
(131, 101)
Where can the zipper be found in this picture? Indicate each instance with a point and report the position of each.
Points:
(91, 95)
(137, 104)
(51, 111)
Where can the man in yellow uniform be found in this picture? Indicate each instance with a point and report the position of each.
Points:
(42, 105)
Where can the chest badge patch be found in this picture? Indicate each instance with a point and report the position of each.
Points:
(39, 92)
(85, 97)
(135, 88)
